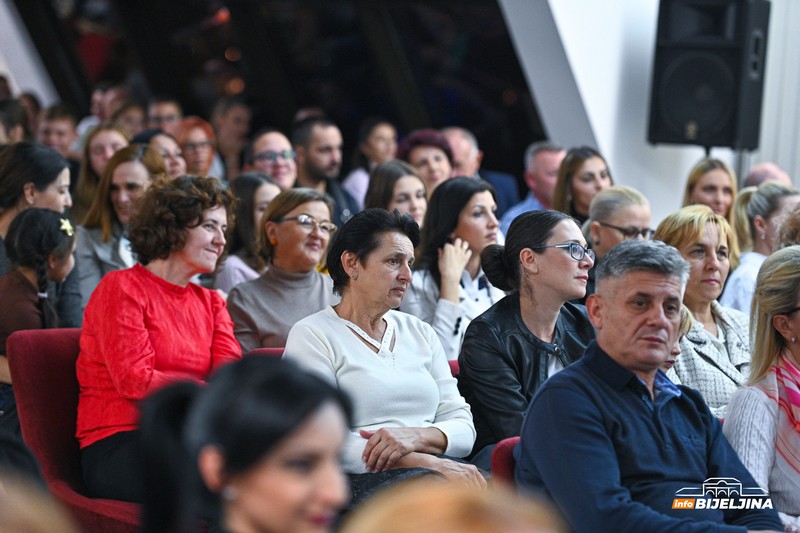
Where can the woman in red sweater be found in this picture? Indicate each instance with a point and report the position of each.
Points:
(149, 326)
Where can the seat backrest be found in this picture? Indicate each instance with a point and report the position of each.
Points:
(42, 364)
(503, 461)
(271, 352)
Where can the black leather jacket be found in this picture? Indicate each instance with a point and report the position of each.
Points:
(502, 364)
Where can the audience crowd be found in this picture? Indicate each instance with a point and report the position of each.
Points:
(427, 309)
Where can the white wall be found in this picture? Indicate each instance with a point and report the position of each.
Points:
(19, 59)
(609, 47)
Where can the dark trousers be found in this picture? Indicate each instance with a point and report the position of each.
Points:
(15, 457)
(112, 467)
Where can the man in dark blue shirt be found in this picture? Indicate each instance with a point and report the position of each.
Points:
(612, 441)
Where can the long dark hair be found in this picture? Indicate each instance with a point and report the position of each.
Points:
(33, 236)
(25, 162)
(244, 242)
(441, 218)
(246, 410)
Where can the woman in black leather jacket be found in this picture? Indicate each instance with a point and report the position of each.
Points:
(510, 350)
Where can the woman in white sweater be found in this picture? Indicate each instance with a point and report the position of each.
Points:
(408, 412)
(763, 420)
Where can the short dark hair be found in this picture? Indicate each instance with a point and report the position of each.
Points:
(361, 235)
(249, 150)
(382, 180)
(26, 162)
(441, 218)
(33, 236)
(529, 230)
(169, 209)
(424, 137)
(247, 409)
(364, 131)
(61, 111)
(303, 130)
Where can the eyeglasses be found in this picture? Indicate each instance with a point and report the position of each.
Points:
(196, 147)
(577, 251)
(272, 156)
(309, 222)
(631, 232)
(792, 311)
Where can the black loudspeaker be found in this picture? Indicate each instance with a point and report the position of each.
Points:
(708, 74)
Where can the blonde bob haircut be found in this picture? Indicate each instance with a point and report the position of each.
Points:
(704, 166)
(447, 507)
(687, 224)
(776, 293)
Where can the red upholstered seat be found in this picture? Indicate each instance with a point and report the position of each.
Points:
(42, 366)
(272, 352)
(454, 368)
(503, 462)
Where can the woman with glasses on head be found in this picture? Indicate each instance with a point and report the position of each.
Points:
(294, 235)
(533, 332)
(583, 173)
(449, 287)
(198, 145)
(715, 354)
(764, 208)
(617, 214)
(762, 422)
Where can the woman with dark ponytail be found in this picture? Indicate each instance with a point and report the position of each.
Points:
(255, 450)
(39, 244)
(534, 332)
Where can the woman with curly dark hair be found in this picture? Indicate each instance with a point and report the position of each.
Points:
(148, 326)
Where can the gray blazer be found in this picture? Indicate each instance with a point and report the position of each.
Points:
(702, 366)
(96, 258)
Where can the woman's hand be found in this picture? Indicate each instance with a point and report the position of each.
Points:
(453, 259)
(386, 446)
(458, 472)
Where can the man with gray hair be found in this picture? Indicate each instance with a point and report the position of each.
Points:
(542, 160)
(467, 159)
(615, 444)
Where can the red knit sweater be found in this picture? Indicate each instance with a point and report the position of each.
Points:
(141, 332)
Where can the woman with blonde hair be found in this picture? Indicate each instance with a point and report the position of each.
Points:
(763, 420)
(764, 208)
(103, 244)
(294, 235)
(617, 214)
(711, 182)
(422, 505)
(583, 173)
(715, 355)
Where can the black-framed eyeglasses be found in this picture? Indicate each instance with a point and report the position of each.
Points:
(791, 311)
(309, 222)
(272, 156)
(631, 232)
(577, 251)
